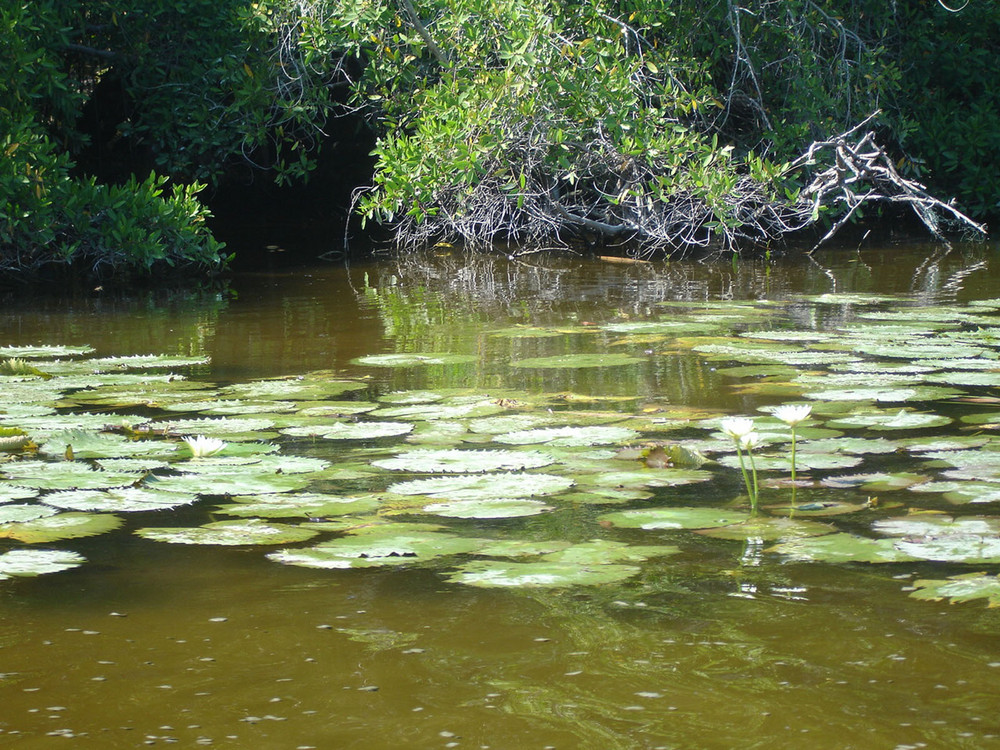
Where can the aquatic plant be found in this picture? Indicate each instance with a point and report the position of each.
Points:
(202, 447)
(740, 430)
(792, 415)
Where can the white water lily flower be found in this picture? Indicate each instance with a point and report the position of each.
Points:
(750, 441)
(791, 414)
(202, 447)
(736, 427)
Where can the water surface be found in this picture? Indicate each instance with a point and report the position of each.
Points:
(723, 645)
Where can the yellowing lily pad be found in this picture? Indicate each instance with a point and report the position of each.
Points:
(53, 528)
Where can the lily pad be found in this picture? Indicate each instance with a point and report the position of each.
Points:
(236, 483)
(298, 505)
(673, 518)
(146, 361)
(483, 487)
(44, 351)
(25, 563)
(839, 548)
(414, 360)
(569, 436)
(900, 420)
(769, 529)
(578, 361)
(127, 500)
(959, 589)
(18, 513)
(463, 461)
(488, 508)
(499, 574)
(385, 548)
(53, 528)
(230, 533)
(351, 430)
(64, 475)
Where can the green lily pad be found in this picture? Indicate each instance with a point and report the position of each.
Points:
(436, 411)
(44, 351)
(351, 430)
(64, 475)
(11, 492)
(768, 529)
(673, 518)
(604, 551)
(18, 512)
(936, 526)
(878, 481)
(26, 563)
(962, 493)
(971, 548)
(484, 486)
(53, 528)
(237, 483)
(959, 589)
(624, 480)
(386, 548)
(245, 428)
(146, 361)
(127, 500)
(230, 533)
(313, 387)
(463, 461)
(884, 395)
(521, 547)
(488, 508)
(669, 326)
(84, 444)
(899, 420)
(411, 397)
(578, 361)
(839, 548)
(499, 574)
(273, 463)
(414, 360)
(298, 505)
(803, 461)
(569, 436)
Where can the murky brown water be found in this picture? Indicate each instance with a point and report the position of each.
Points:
(717, 648)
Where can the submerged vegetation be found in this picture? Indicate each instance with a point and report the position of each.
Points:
(859, 453)
(659, 125)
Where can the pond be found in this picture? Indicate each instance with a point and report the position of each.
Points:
(502, 503)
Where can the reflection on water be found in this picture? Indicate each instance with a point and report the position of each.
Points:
(721, 646)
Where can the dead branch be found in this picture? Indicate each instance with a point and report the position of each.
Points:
(863, 173)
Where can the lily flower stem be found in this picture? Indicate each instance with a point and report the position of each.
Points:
(753, 495)
(751, 488)
(793, 470)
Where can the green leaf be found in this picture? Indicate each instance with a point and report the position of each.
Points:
(463, 461)
(230, 533)
(23, 563)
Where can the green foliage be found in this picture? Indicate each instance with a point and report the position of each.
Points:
(670, 123)
(48, 216)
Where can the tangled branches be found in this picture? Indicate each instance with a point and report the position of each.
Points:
(863, 173)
